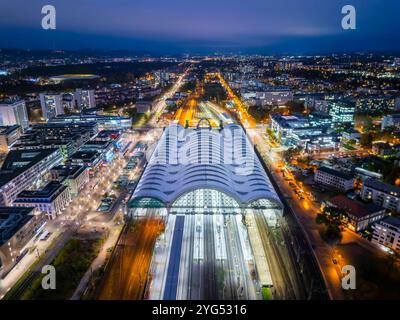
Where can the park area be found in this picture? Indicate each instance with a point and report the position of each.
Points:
(377, 275)
(70, 264)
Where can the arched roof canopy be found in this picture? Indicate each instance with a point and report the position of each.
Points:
(222, 160)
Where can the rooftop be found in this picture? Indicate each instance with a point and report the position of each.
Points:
(219, 160)
(85, 155)
(384, 187)
(47, 194)
(6, 130)
(395, 222)
(336, 173)
(355, 208)
(72, 171)
(13, 219)
(18, 161)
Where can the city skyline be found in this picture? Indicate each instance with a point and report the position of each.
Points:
(263, 27)
(200, 151)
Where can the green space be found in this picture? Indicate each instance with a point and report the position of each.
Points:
(213, 91)
(334, 219)
(188, 86)
(266, 293)
(139, 119)
(377, 275)
(70, 264)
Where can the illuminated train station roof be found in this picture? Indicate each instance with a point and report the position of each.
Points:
(189, 161)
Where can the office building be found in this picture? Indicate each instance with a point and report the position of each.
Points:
(8, 136)
(312, 132)
(143, 106)
(23, 169)
(342, 112)
(91, 159)
(274, 96)
(51, 200)
(14, 113)
(75, 177)
(105, 148)
(391, 121)
(104, 122)
(68, 137)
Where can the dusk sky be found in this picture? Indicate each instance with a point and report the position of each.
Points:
(179, 26)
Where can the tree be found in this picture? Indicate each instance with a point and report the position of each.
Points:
(335, 220)
(289, 154)
(392, 259)
(271, 135)
(366, 140)
(295, 107)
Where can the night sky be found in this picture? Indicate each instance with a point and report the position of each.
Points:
(186, 26)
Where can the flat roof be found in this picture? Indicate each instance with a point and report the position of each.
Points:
(12, 219)
(85, 155)
(69, 170)
(6, 130)
(48, 193)
(336, 173)
(392, 221)
(381, 186)
(18, 161)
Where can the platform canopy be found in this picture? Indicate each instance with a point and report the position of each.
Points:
(214, 165)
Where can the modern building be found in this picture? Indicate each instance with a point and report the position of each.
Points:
(75, 177)
(51, 200)
(23, 169)
(334, 179)
(68, 137)
(113, 136)
(351, 135)
(14, 113)
(18, 228)
(104, 122)
(342, 112)
(360, 215)
(143, 106)
(92, 160)
(397, 104)
(8, 136)
(52, 105)
(275, 96)
(382, 148)
(312, 132)
(382, 194)
(391, 121)
(105, 148)
(387, 233)
(224, 177)
(85, 99)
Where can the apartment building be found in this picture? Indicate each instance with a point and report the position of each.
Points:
(383, 194)
(334, 179)
(387, 233)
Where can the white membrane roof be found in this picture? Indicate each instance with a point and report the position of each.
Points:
(185, 160)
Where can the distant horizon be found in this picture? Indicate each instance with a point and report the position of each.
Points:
(182, 27)
(216, 53)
